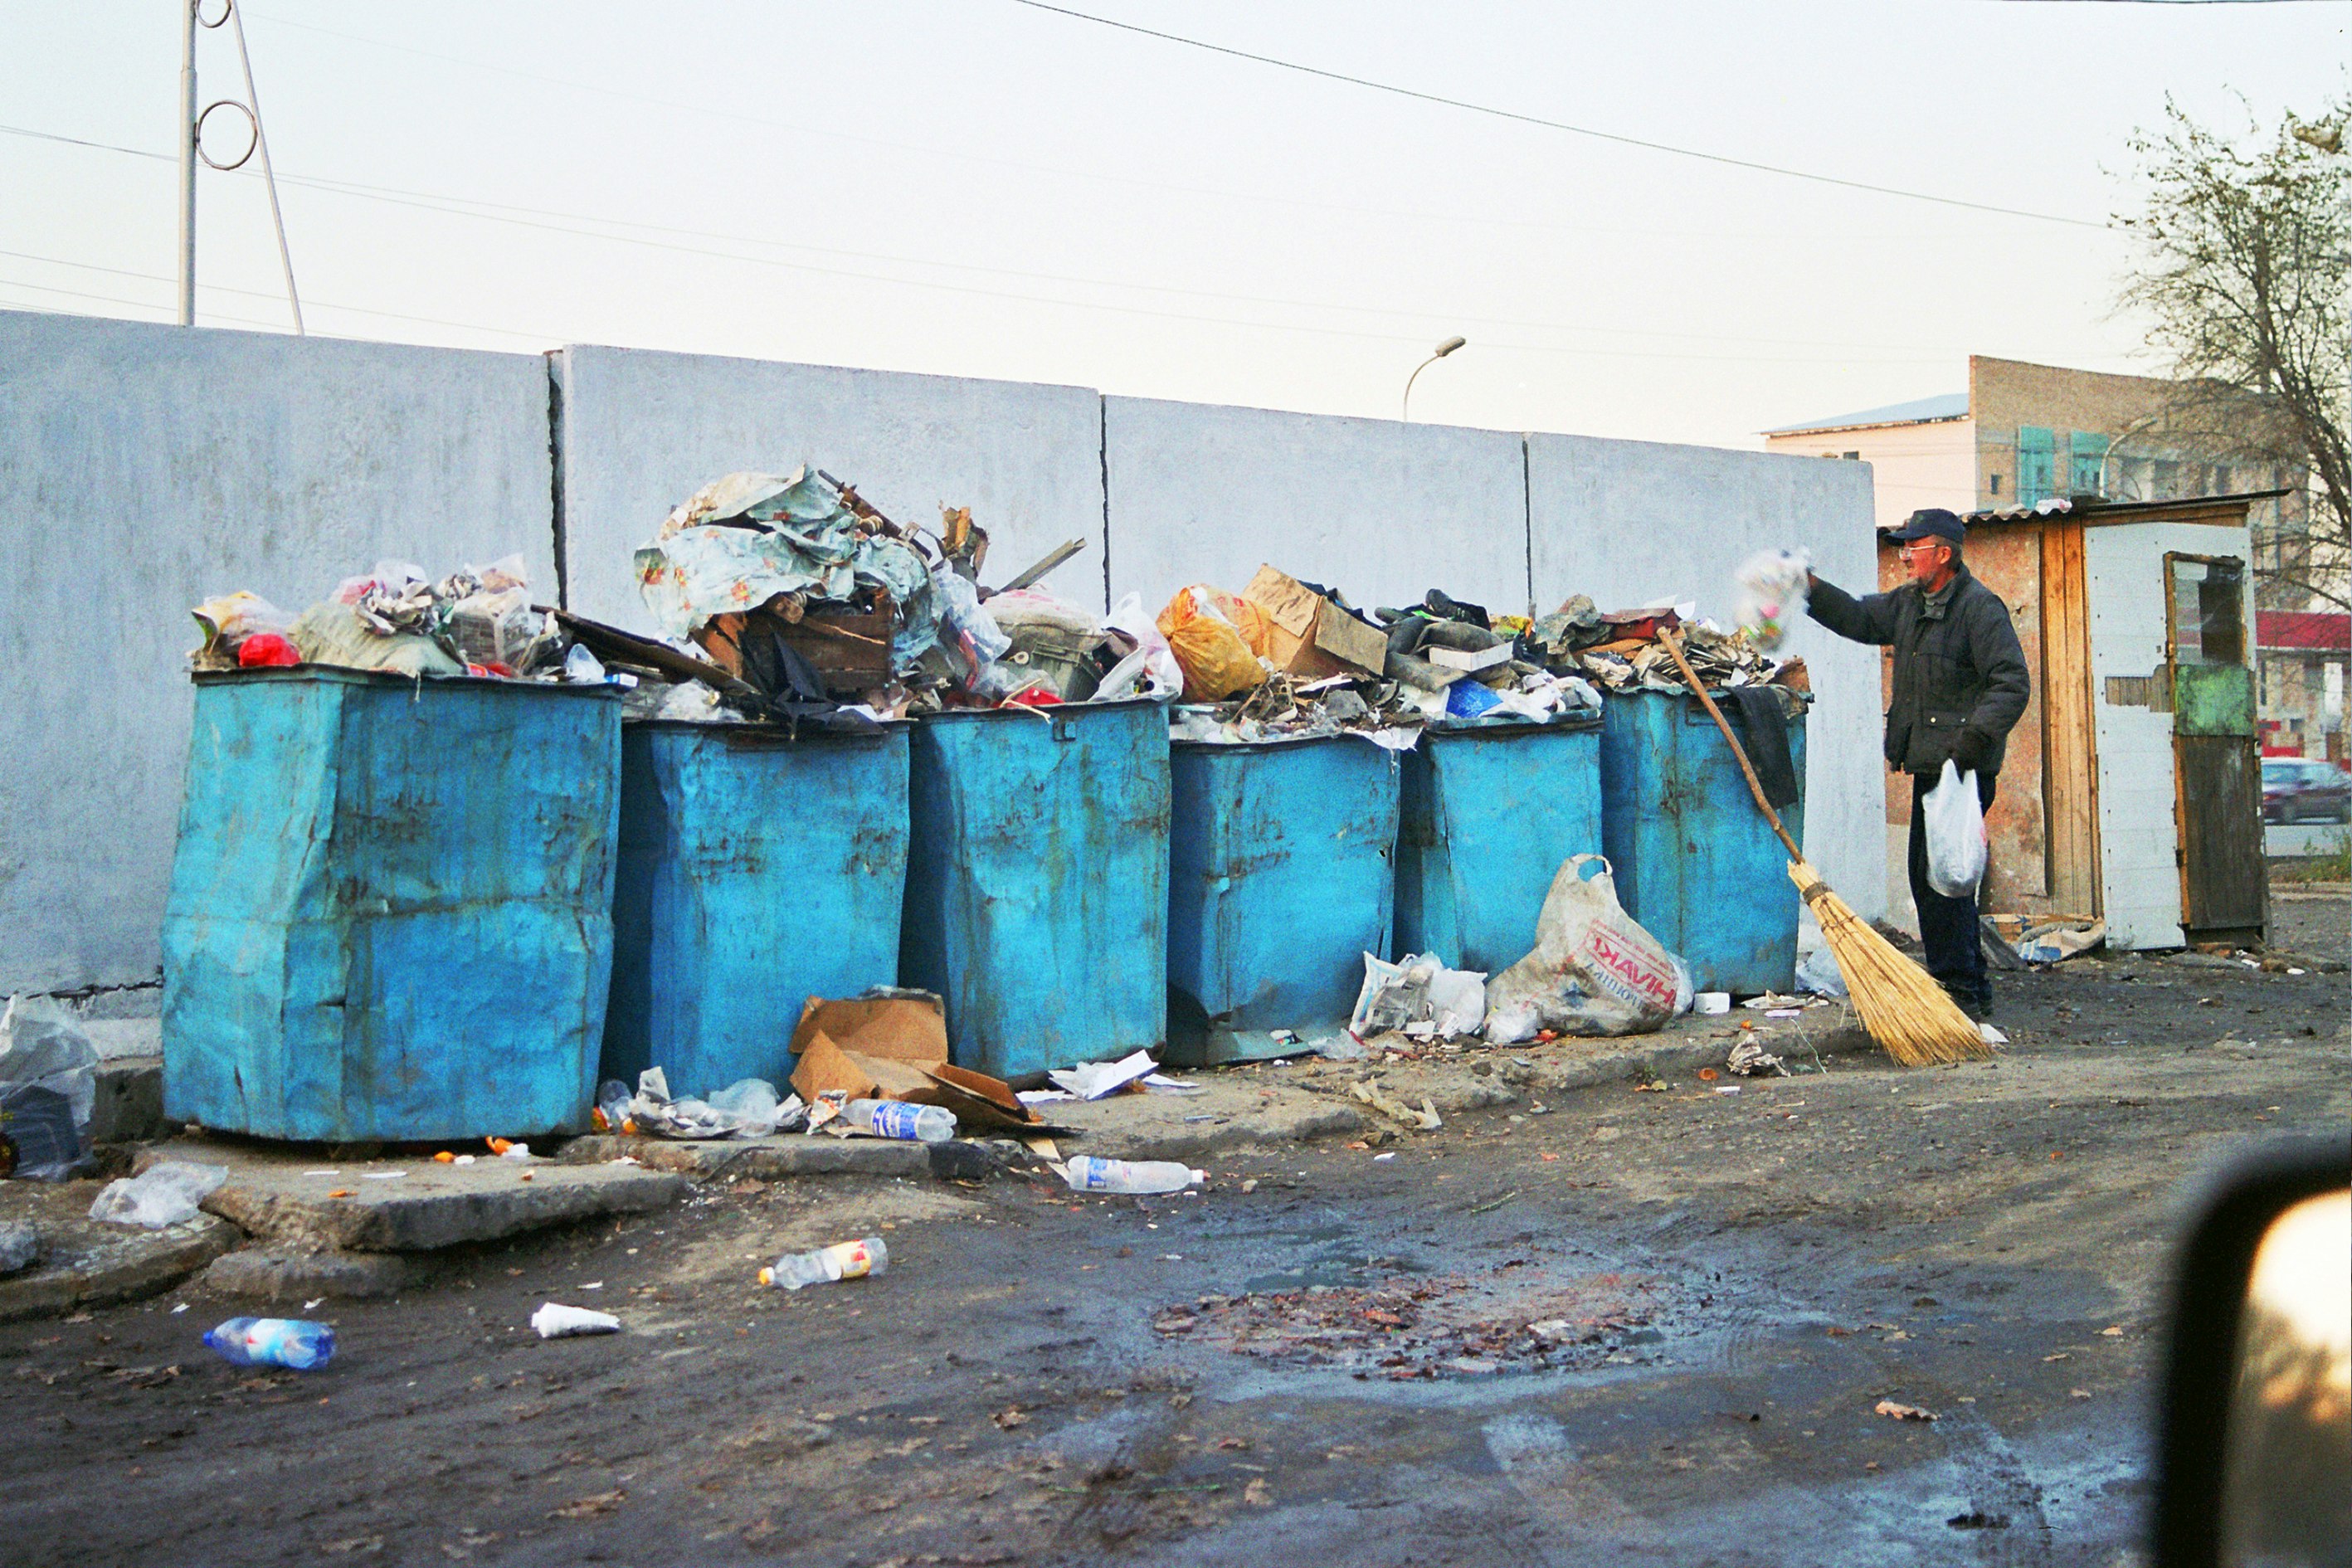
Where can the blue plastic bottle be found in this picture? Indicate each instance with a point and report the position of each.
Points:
(273, 1342)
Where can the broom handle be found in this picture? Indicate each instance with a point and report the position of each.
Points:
(1674, 649)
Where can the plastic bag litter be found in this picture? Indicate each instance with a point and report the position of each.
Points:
(1955, 834)
(1151, 670)
(970, 630)
(49, 1086)
(1419, 996)
(1216, 639)
(747, 1107)
(229, 620)
(1818, 973)
(1593, 970)
(165, 1194)
(1772, 591)
(554, 1320)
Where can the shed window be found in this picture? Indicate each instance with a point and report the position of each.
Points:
(2209, 622)
(2036, 463)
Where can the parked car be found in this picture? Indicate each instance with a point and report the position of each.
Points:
(2304, 789)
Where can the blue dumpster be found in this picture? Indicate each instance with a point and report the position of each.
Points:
(1280, 879)
(1037, 883)
(1490, 811)
(391, 911)
(756, 872)
(1697, 864)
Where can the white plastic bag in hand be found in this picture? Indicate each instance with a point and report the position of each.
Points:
(1772, 587)
(1955, 834)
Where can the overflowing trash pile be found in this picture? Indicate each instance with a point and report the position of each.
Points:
(474, 621)
(1289, 660)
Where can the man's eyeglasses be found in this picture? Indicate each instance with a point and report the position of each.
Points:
(1918, 547)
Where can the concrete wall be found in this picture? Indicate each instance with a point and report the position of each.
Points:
(144, 469)
(1381, 510)
(641, 431)
(1632, 522)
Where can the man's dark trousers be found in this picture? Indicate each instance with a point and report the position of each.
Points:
(1947, 927)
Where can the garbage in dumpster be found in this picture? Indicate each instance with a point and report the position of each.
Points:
(1088, 1174)
(476, 620)
(1215, 637)
(891, 1044)
(555, 1321)
(289, 1342)
(165, 1194)
(824, 1265)
(1419, 996)
(1308, 634)
(49, 1086)
(1594, 970)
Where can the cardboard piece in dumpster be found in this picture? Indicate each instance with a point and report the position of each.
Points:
(1309, 636)
(893, 1045)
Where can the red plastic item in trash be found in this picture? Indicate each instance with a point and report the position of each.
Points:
(267, 651)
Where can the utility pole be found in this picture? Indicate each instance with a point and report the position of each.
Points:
(188, 162)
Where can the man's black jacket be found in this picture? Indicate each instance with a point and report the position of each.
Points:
(1960, 680)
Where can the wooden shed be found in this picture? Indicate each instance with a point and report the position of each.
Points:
(2132, 791)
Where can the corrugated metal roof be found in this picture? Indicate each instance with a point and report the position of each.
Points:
(2094, 509)
(1951, 405)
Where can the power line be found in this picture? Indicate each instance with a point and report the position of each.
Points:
(503, 213)
(1535, 119)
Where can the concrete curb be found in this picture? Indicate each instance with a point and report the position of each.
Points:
(787, 1154)
(90, 1265)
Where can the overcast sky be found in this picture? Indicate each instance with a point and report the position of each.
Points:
(978, 187)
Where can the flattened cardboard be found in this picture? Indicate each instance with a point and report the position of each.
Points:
(1308, 635)
(896, 1047)
(906, 1026)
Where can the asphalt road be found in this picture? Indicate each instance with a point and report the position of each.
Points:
(1325, 1356)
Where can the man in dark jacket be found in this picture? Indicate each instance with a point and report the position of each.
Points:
(1960, 683)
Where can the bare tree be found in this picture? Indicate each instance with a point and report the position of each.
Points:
(2245, 273)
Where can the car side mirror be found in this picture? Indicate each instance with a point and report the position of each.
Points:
(2254, 1459)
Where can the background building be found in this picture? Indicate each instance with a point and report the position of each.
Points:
(2022, 433)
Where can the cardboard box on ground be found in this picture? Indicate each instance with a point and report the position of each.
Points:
(893, 1045)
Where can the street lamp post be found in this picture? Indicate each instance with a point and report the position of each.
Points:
(1447, 347)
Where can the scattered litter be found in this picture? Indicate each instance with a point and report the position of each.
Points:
(49, 1086)
(1773, 1003)
(1749, 1059)
(382, 1175)
(1425, 1119)
(165, 1194)
(1092, 1081)
(1785, 1013)
(747, 1107)
(2054, 942)
(1043, 1096)
(1992, 1037)
(1389, 1155)
(1818, 973)
(1087, 1174)
(823, 1265)
(1418, 994)
(289, 1342)
(1166, 1085)
(1727, 1088)
(554, 1321)
(1709, 1003)
(1903, 1411)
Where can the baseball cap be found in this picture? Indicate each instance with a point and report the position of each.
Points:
(1930, 522)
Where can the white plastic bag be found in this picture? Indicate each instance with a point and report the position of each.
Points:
(1419, 996)
(163, 1194)
(1772, 591)
(1593, 970)
(1151, 670)
(1955, 834)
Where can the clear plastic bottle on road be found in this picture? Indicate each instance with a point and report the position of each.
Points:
(843, 1260)
(1088, 1174)
(273, 1342)
(897, 1119)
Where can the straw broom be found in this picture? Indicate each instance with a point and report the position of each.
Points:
(1900, 1004)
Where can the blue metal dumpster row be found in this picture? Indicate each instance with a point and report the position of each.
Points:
(1073, 888)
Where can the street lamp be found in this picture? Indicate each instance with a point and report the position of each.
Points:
(1447, 347)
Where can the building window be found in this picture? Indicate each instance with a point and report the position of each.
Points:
(2036, 463)
(1993, 482)
(1854, 456)
(2089, 467)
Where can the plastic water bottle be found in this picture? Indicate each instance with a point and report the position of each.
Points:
(273, 1342)
(841, 1260)
(1088, 1174)
(897, 1119)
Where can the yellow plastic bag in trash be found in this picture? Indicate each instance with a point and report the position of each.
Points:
(1217, 639)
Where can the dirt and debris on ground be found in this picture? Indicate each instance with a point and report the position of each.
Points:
(1647, 1321)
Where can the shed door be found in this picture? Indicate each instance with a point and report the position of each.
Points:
(2224, 884)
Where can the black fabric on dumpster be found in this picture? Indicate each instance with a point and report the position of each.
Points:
(1763, 723)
